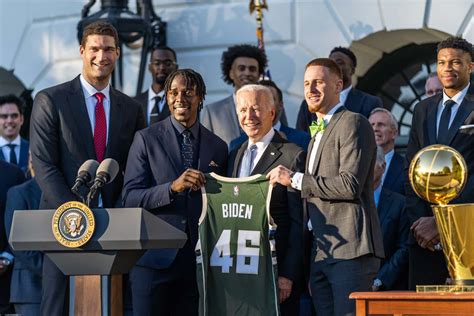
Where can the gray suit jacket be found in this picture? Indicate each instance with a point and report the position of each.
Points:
(339, 190)
(221, 119)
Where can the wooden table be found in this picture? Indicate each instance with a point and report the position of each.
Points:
(412, 303)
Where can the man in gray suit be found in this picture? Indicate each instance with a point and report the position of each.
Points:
(241, 65)
(338, 190)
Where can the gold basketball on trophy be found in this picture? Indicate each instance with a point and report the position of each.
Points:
(438, 174)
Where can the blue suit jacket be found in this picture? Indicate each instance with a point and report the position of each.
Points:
(154, 161)
(28, 266)
(396, 177)
(10, 175)
(395, 229)
(357, 101)
(23, 161)
(292, 135)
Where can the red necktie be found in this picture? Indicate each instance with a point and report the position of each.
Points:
(100, 128)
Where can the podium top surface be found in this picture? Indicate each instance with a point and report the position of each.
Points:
(116, 229)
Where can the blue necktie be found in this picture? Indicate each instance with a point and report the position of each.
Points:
(247, 162)
(443, 127)
(13, 159)
(187, 153)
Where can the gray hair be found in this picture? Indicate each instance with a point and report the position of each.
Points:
(393, 119)
(256, 88)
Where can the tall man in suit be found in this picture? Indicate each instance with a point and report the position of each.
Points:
(241, 65)
(385, 127)
(10, 175)
(75, 121)
(153, 101)
(294, 136)
(337, 186)
(13, 148)
(354, 100)
(256, 113)
(448, 119)
(164, 175)
(393, 273)
(25, 289)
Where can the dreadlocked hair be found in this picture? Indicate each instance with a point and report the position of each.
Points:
(191, 79)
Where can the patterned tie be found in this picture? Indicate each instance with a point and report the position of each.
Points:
(187, 152)
(444, 122)
(247, 162)
(155, 111)
(13, 159)
(100, 128)
(317, 126)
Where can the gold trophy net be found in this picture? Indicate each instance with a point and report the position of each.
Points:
(438, 174)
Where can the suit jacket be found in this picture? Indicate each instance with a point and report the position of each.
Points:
(395, 229)
(286, 206)
(61, 140)
(339, 190)
(294, 136)
(153, 163)
(395, 178)
(221, 118)
(142, 98)
(24, 152)
(357, 101)
(28, 266)
(423, 133)
(10, 175)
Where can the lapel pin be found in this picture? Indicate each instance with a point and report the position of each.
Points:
(272, 153)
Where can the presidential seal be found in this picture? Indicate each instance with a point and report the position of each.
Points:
(73, 224)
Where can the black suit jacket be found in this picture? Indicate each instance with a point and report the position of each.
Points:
(142, 98)
(10, 175)
(286, 206)
(394, 270)
(153, 163)
(61, 140)
(357, 101)
(396, 178)
(24, 154)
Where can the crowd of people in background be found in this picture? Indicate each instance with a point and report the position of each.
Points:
(347, 217)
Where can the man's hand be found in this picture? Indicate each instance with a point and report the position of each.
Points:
(3, 267)
(190, 179)
(284, 285)
(280, 175)
(425, 232)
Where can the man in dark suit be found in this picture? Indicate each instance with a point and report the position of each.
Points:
(354, 100)
(256, 113)
(294, 136)
(10, 175)
(164, 175)
(13, 148)
(153, 101)
(337, 186)
(393, 274)
(25, 289)
(75, 121)
(448, 119)
(386, 130)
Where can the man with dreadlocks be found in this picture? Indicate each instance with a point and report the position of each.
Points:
(241, 65)
(164, 175)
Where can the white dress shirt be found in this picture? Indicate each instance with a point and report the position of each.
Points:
(458, 98)
(262, 144)
(6, 150)
(343, 95)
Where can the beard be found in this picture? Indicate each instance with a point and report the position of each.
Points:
(161, 80)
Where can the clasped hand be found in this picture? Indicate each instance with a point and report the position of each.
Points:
(190, 179)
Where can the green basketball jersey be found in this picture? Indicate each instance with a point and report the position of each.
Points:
(236, 254)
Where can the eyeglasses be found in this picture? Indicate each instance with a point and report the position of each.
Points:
(167, 63)
(11, 115)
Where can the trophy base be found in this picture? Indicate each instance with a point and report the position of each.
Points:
(444, 288)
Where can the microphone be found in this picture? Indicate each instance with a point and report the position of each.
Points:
(85, 174)
(106, 173)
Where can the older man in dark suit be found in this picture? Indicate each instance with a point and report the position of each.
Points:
(75, 121)
(164, 175)
(256, 113)
(448, 119)
(337, 186)
(354, 100)
(10, 175)
(153, 101)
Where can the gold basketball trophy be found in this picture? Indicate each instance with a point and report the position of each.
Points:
(438, 174)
